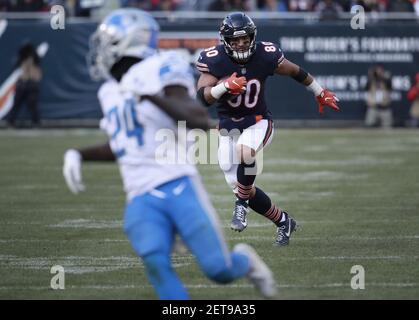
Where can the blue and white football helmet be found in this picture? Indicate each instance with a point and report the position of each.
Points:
(123, 33)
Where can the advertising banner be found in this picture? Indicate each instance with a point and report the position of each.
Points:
(338, 56)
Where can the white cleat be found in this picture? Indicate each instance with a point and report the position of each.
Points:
(260, 274)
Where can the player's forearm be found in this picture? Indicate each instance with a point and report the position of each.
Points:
(293, 70)
(205, 97)
(301, 76)
(306, 79)
(190, 111)
(97, 153)
(208, 96)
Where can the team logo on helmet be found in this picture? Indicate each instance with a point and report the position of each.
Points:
(238, 24)
(123, 33)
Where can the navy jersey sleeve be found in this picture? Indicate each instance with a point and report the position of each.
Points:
(272, 55)
(210, 61)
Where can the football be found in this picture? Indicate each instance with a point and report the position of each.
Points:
(227, 96)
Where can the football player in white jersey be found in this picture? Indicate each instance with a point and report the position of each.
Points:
(145, 92)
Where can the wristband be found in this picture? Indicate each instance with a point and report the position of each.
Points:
(218, 90)
(315, 87)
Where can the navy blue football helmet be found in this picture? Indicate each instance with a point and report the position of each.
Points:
(238, 24)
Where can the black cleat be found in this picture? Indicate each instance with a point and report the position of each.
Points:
(239, 221)
(284, 230)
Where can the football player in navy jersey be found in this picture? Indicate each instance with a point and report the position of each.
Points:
(233, 76)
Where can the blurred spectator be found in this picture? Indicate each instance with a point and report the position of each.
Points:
(80, 10)
(283, 5)
(346, 4)
(413, 96)
(156, 5)
(124, 3)
(228, 5)
(220, 5)
(193, 5)
(84, 8)
(67, 4)
(329, 9)
(164, 5)
(416, 6)
(140, 4)
(300, 5)
(27, 87)
(29, 5)
(400, 6)
(272, 5)
(378, 98)
(372, 5)
(5, 5)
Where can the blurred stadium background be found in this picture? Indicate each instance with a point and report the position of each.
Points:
(354, 190)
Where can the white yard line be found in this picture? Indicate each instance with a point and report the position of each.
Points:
(316, 176)
(60, 240)
(229, 236)
(82, 264)
(85, 264)
(361, 161)
(216, 286)
(329, 238)
(88, 224)
(52, 133)
(118, 223)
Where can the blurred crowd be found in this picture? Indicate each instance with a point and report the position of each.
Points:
(316, 5)
(332, 7)
(78, 8)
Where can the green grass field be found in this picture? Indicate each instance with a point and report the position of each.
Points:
(355, 194)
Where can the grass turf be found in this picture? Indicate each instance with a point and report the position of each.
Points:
(353, 192)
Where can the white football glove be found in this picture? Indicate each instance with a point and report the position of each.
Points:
(72, 171)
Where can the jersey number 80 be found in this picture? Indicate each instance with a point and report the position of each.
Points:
(253, 86)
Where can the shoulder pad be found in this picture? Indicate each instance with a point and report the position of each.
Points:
(175, 70)
(271, 53)
(142, 78)
(209, 59)
(105, 89)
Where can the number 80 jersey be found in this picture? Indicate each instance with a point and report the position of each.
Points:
(261, 65)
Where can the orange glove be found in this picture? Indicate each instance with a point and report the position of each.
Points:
(235, 85)
(327, 98)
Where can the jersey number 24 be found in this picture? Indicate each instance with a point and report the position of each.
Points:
(125, 122)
